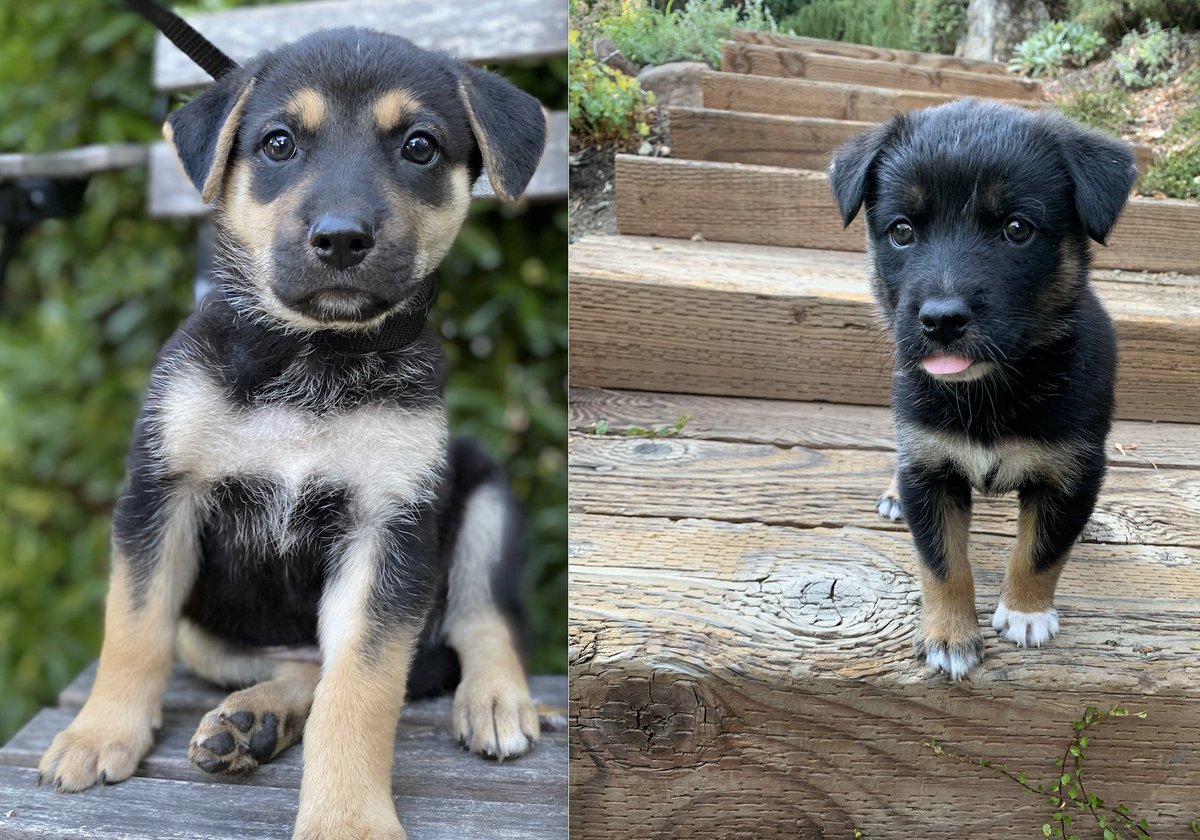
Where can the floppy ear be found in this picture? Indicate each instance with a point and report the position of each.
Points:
(204, 130)
(1102, 170)
(852, 163)
(509, 127)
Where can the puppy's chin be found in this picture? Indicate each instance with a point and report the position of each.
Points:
(340, 306)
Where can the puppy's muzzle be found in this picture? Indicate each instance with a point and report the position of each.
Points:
(340, 242)
(944, 320)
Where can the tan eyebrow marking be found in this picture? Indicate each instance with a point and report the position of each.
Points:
(309, 107)
(392, 107)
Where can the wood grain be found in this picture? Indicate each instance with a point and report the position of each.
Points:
(770, 205)
(759, 683)
(757, 321)
(833, 100)
(773, 140)
(495, 31)
(73, 163)
(830, 426)
(847, 50)
(798, 64)
(170, 193)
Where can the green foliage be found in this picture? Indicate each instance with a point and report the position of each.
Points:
(1113, 18)
(938, 24)
(1055, 46)
(89, 299)
(603, 104)
(878, 23)
(647, 35)
(1143, 60)
(1067, 794)
(600, 427)
(1177, 173)
(1108, 109)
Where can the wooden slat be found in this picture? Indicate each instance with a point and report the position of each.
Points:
(737, 320)
(771, 140)
(170, 193)
(831, 426)
(781, 206)
(848, 50)
(732, 675)
(494, 31)
(73, 163)
(804, 98)
(797, 64)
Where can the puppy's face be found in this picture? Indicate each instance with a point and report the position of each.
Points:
(341, 169)
(977, 223)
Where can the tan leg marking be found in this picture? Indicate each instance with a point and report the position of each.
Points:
(346, 791)
(1026, 614)
(114, 729)
(949, 637)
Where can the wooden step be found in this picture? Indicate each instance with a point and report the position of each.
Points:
(761, 321)
(742, 626)
(781, 206)
(833, 100)
(847, 50)
(773, 61)
(770, 140)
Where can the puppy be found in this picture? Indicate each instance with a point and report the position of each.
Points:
(978, 217)
(290, 481)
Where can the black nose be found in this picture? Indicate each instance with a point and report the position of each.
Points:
(944, 319)
(340, 241)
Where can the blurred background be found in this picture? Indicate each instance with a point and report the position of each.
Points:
(86, 301)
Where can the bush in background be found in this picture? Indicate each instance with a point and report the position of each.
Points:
(1108, 109)
(648, 35)
(1055, 46)
(1149, 58)
(938, 24)
(603, 105)
(88, 300)
(878, 23)
(1177, 173)
(1113, 18)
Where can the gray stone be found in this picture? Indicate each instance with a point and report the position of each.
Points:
(995, 27)
(675, 84)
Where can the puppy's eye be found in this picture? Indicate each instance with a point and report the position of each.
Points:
(1017, 231)
(279, 146)
(901, 233)
(420, 148)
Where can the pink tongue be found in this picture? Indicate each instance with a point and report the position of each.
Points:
(945, 364)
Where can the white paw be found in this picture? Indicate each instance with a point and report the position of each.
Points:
(1026, 629)
(888, 506)
(954, 660)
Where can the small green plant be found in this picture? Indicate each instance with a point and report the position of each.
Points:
(1067, 795)
(600, 427)
(1108, 109)
(1055, 46)
(603, 105)
(1113, 18)
(938, 24)
(878, 23)
(1147, 59)
(646, 35)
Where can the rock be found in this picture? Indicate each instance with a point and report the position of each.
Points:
(995, 27)
(606, 52)
(677, 83)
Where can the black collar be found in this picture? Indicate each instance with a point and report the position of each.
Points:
(395, 333)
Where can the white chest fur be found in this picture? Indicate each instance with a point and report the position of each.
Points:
(380, 453)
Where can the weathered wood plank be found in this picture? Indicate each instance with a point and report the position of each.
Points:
(808, 488)
(770, 205)
(73, 163)
(774, 140)
(495, 31)
(830, 426)
(833, 100)
(170, 193)
(756, 321)
(155, 809)
(799, 64)
(848, 50)
(727, 676)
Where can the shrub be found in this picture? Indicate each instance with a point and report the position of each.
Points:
(879, 23)
(1113, 18)
(1177, 174)
(1055, 46)
(938, 24)
(646, 35)
(1149, 59)
(1108, 109)
(603, 104)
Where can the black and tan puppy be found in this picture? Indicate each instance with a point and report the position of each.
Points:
(290, 481)
(978, 218)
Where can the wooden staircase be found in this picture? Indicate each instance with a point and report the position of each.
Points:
(741, 620)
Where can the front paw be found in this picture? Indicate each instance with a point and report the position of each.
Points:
(96, 748)
(954, 657)
(334, 823)
(494, 716)
(1026, 629)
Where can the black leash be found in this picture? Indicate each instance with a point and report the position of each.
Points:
(395, 333)
(180, 33)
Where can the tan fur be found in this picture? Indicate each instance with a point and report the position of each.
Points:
(1023, 589)
(346, 788)
(254, 223)
(1060, 292)
(948, 606)
(308, 106)
(395, 106)
(225, 138)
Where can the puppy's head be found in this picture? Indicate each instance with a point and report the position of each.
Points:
(977, 218)
(340, 168)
